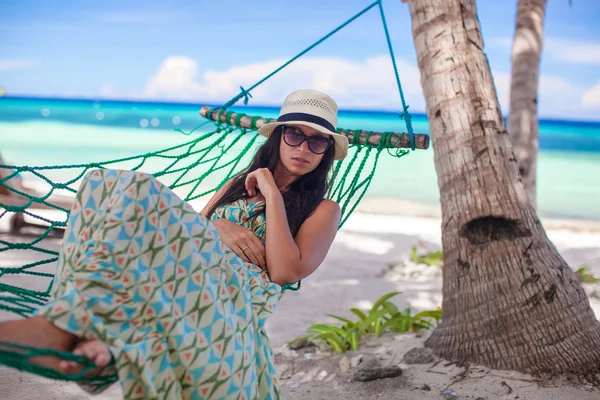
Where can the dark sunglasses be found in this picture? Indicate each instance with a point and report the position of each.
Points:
(295, 137)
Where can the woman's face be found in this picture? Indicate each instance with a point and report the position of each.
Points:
(300, 160)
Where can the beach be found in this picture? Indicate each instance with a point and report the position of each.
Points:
(355, 274)
(369, 257)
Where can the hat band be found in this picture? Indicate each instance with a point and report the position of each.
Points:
(307, 118)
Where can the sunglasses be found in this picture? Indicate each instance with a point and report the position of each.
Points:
(295, 137)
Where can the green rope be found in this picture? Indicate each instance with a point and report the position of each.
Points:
(405, 114)
(19, 356)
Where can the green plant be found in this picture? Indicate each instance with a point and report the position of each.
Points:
(384, 316)
(586, 277)
(430, 258)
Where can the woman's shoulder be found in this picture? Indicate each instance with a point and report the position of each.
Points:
(329, 203)
(328, 206)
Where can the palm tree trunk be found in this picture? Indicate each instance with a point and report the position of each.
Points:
(523, 115)
(510, 300)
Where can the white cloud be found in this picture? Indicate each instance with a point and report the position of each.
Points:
(571, 51)
(368, 83)
(557, 97)
(591, 98)
(557, 49)
(8, 64)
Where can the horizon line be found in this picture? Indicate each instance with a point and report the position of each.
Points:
(199, 104)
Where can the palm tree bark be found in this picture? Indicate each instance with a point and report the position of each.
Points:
(510, 301)
(523, 113)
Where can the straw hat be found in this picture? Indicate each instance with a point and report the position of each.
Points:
(313, 109)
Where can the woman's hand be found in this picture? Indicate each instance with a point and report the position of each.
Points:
(241, 241)
(261, 179)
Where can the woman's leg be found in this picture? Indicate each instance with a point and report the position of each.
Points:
(38, 331)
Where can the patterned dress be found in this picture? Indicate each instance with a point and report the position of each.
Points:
(182, 315)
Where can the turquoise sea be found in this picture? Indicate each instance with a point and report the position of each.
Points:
(43, 131)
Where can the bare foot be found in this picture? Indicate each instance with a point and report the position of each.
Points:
(94, 350)
(37, 332)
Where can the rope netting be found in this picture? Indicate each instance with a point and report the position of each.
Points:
(194, 170)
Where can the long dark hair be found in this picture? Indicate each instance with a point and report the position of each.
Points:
(303, 196)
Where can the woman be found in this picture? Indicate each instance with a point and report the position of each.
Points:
(179, 300)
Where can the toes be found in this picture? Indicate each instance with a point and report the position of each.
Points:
(68, 367)
(102, 360)
(91, 354)
(63, 366)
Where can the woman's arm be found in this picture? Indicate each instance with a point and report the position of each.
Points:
(290, 260)
(240, 240)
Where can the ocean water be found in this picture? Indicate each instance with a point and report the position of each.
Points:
(39, 131)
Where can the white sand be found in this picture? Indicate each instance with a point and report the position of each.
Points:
(351, 277)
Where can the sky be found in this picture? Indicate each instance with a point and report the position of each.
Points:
(203, 51)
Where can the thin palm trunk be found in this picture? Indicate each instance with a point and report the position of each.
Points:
(523, 114)
(510, 300)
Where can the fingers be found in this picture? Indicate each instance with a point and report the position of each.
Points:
(261, 178)
(251, 184)
(253, 250)
(259, 251)
(254, 254)
(102, 359)
(240, 252)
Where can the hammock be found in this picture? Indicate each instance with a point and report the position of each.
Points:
(216, 154)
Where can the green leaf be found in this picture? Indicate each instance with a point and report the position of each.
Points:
(421, 326)
(397, 322)
(435, 314)
(382, 299)
(360, 314)
(346, 320)
(334, 341)
(323, 328)
(372, 318)
(390, 307)
(299, 338)
(413, 254)
(584, 276)
(378, 325)
(354, 337)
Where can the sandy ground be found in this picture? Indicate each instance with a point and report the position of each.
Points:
(351, 276)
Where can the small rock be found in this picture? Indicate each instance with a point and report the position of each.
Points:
(322, 375)
(449, 394)
(506, 389)
(425, 387)
(284, 371)
(298, 376)
(310, 375)
(354, 361)
(344, 364)
(371, 371)
(419, 355)
(300, 344)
